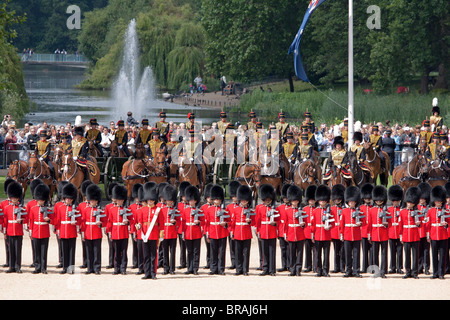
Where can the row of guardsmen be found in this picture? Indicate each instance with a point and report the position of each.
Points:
(355, 221)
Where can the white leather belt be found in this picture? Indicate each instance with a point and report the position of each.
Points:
(118, 224)
(349, 225)
(377, 225)
(91, 223)
(394, 224)
(294, 225)
(13, 221)
(190, 224)
(410, 226)
(41, 223)
(66, 222)
(241, 224)
(320, 226)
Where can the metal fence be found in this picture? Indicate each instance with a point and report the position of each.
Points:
(48, 57)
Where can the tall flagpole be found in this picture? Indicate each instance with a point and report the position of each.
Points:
(350, 75)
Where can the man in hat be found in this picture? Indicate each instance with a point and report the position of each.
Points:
(395, 194)
(251, 125)
(338, 204)
(366, 245)
(431, 150)
(305, 149)
(310, 251)
(407, 140)
(121, 137)
(306, 128)
(80, 150)
(338, 159)
(376, 142)
(156, 144)
(290, 148)
(436, 120)
(163, 126)
(144, 135)
(93, 134)
(426, 133)
(388, 146)
(192, 124)
(64, 144)
(308, 121)
(44, 148)
(282, 126)
(223, 123)
(172, 219)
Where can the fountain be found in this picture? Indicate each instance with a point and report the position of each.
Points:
(131, 92)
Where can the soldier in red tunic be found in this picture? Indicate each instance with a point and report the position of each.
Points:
(378, 230)
(204, 207)
(14, 219)
(267, 218)
(134, 207)
(436, 228)
(216, 225)
(34, 183)
(39, 224)
(172, 218)
(294, 229)
(409, 232)
(66, 221)
(181, 205)
(395, 194)
(3, 205)
(321, 224)
(192, 220)
(350, 225)
(242, 220)
(284, 245)
(424, 246)
(310, 196)
(93, 219)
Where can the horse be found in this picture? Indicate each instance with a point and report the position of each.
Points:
(437, 175)
(307, 173)
(336, 177)
(359, 176)
(116, 151)
(18, 170)
(373, 162)
(75, 175)
(410, 174)
(249, 174)
(93, 151)
(187, 171)
(38, 169)
(159, 173)
(136, 171)
(271, 173)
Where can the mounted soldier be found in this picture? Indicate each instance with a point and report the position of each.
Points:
(121, 137)
(282, 126)
(94, 135)
(80, 150)
(163, 126)
(44, 148)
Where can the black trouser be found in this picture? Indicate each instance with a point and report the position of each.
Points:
(376, 260)
(411, 265)
(160, 262)
(60, 255)
(140, 253)
(309, 259)
(193, 254)
(7, 251)
(150, 255)
(296, 256)
(261, 257)
(40, 250)
(367, 256)
(68, 252)
(232, 253)
(323, 266)
(208, 254)
(396, 253)
(169, 248)
(339, 256)
(438, 252)
(424, 255)
(352, 256)
(112, 252)
(135, 253)
(269, 249)
(83, 248)
(182, 251)
(285, 257)
(242, 255)
(15, 252)
(121, 258)
(93, 255)
(218, 250)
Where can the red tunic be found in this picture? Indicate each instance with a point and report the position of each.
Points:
(145, 218)
(55, 209)
(281, 225)
(434, 227)
(89, 223)
(394, 226)
(318, 227)
(191, 230)
(170, 229)
(10, 223)
(63, 222)
(348, 228)
(116, 224)
(135, 207)
(376, 230)
(336, 211)
(364, 209)
(240, 228)
(263, 226)
(309, 210)
(181, 206)
(40, 229)
(408, 229)
(212, 223)
(293, 230)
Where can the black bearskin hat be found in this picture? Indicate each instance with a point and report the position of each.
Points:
(135, 190)
(310, 192)
(366, 191)
(84, 186)
(294, 193)
(352, 193)
(425, 190)
(338, 192)
(437, 194)
(266, 191)
(151, 191)
(284, 190)
(447, 189)
(15, 190)
(41, 192)
(69, 191)
(323, 193)
(244, 193)
(192, 193)
(93, 192)
(395, 193)
(379, 193)
(170, 193)
(33, 184)
(413, 195)
(217, 192)
(232, 188)
(119, 192)
(207, 191)
(182, 188)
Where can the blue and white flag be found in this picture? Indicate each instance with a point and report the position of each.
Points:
(295, 46)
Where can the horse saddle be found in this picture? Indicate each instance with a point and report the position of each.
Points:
(343, 171)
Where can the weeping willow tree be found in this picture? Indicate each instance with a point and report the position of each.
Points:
(185, 61)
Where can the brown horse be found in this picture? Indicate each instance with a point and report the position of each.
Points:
(38, 169)
(410, 174)
(116, 151)
(271, 173)
(72, 173)
(93, 151)
(187, 171)
(307, 173)
(438, 175)
(373, 162)
(249, 174)
(336, 177)
(359, 176)
(136, 171)
(159, 173)
(18, 170)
